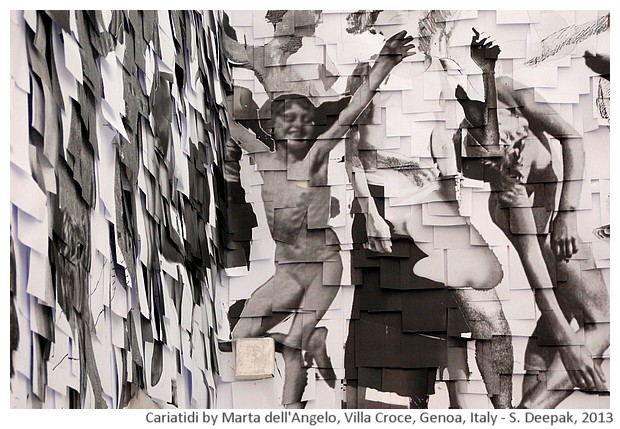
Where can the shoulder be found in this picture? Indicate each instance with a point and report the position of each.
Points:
(504, 86)
(511, 97)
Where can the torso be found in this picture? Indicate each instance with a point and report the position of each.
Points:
(297, 213)
(527, 155)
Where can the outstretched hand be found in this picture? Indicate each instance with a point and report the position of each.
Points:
(397, 48)
(582, 370)
(484, 52)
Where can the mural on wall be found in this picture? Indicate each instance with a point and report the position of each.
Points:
(430, 189)
(400, 209)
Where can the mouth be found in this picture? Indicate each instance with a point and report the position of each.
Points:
(294, 133)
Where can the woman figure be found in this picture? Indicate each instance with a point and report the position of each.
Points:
(471, 272)
(509, 133)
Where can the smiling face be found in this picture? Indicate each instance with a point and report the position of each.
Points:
(295, 122)
(294, 125)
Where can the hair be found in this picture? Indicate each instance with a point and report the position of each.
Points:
(361, 21)
(433, 22)
(278, 105)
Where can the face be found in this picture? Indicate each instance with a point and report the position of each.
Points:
(294, 124)
(512, 127)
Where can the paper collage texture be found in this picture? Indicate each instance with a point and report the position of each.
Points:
(381, 209)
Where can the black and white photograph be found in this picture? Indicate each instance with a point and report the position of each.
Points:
(310, 209)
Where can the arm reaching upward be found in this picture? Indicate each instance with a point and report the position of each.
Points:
(395, 49)
(482, 116)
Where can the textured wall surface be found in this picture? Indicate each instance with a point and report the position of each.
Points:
(469, 202)
(116, 171)
(413, 204)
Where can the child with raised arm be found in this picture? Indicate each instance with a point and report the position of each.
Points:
(297, 201)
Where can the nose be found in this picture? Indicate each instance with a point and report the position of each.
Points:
(297, 122)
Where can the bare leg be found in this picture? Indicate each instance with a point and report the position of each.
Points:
(295, 378)
(494, 356)
(300, 287)
(537, 360)
(584, 295)
(458, 370)
(272, 302)
(318, 298)
(470, 271)
(551, 390)
(574, 298)
(317, 352)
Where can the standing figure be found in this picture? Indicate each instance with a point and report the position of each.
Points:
(470, 271)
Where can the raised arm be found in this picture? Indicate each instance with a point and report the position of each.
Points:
(377, 229)
(482, 116)
(485, 53)
(395, 49)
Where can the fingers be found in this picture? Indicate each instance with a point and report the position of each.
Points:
(598, 383)
(558, 248)
(574, 248)
(590, 377)
(599, 371)
(484, 44)
(407, 47)
(474, 38)
(406, 43)
(564, 248)
(399, 44)
(582, 378)
(576, 377)
(399, 35)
